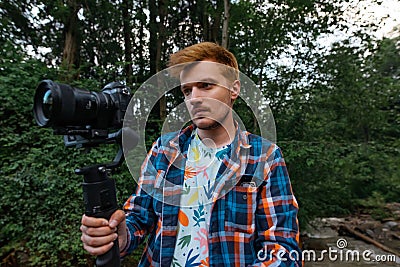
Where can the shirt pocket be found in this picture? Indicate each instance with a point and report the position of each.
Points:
(241, 203)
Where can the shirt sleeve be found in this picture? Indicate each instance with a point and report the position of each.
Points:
(140, 216)
(276, 216)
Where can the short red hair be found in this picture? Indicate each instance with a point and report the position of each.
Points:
(206, 51)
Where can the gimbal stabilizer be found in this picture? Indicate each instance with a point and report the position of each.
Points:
(100, 199)
(99, 194)
(88, 119)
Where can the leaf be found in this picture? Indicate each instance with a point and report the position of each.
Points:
(183, 219)
(175, 263)
(190, 261)
(193, 198)
(199, 215)
(186, 190)
(184, 241)
(209, 190)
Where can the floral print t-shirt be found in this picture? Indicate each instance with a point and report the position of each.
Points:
(196, 200)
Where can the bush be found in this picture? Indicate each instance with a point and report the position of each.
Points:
(41, 199)
(333, 179)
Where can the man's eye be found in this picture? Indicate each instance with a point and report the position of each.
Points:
(186, 91)
(207, 85)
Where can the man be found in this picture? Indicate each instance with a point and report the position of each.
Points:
(210, 194)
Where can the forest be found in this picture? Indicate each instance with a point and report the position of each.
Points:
(332, 85)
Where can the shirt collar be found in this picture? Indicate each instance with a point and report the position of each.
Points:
(185, 136)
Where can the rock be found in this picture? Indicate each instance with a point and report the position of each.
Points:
(333, 220)
(388, 219)
(370, 233)
(391, 225)
(370, 228)
(315, 244)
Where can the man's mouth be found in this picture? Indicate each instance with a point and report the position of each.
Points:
(197, 112)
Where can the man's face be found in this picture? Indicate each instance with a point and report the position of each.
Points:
(208, 94)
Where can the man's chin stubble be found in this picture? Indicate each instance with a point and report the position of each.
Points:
(211, 126)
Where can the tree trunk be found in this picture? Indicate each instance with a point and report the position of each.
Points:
(71, 60)
(127, 28)
(158, 13)
(210, 20)
(162, 13)
(215, 28)
(153, 36)
(225, 26)
(140, 46)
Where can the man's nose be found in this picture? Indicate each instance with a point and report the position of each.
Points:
(195, 95)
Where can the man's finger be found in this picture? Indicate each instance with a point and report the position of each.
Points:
(95, 251)
(97, 231)
(98, 241)
(93, 222)
(116, 218)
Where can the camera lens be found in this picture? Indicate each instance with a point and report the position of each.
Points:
(47, 104)
(59, 106)
(65, 108)
(44, 103)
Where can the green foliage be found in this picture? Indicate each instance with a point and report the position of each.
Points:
(375, 204)
(337, 111)
(341, 144)
(41, 197)
(340, 178)
(35, 192)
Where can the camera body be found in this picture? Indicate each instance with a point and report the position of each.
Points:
(85, 118)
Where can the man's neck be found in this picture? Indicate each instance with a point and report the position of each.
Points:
(220, 136)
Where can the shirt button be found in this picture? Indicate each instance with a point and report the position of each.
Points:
(244, 197)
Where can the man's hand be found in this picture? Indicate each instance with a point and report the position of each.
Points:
(98, 234)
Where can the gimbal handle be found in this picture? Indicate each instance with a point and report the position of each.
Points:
(100, 199)
(99, 192)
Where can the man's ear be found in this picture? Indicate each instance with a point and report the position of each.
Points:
(235, 91)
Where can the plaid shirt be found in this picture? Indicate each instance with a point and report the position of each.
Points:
(253, 215)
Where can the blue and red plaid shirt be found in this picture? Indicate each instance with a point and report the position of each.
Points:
(253, 215)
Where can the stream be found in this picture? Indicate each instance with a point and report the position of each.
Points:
(324, 244)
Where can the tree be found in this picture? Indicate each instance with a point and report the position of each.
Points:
(71, 33)
(15, 23)
(126, 9)
(225, 27)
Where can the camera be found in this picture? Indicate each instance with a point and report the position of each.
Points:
(88, 119)
(85, 118)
